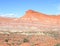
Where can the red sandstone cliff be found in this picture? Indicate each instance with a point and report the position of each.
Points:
(32, 20)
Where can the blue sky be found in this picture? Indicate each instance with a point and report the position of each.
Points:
(17, 8)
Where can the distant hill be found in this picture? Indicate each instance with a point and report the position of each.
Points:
(31, 21)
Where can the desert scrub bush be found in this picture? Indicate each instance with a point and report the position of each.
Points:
(25, 40)
(57, 45)
(6, 40)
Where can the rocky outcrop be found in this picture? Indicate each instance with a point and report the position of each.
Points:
(31, 21)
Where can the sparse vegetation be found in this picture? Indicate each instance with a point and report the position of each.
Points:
(54, 34)
(17, 39)
(57, 45)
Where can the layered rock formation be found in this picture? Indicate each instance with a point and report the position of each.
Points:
(31, 21)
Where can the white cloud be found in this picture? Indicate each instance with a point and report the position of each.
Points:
(8, 15)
